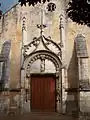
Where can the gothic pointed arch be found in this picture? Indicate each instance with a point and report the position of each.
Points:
(44, 55)
(44, 49)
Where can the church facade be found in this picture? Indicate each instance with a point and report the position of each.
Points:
(44, 60)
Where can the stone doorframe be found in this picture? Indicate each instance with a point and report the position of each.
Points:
(42, 55)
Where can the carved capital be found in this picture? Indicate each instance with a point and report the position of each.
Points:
(57, 74)
(28, 75)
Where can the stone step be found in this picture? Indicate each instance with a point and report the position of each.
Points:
(38, 116)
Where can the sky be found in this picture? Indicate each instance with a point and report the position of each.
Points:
(7, 4)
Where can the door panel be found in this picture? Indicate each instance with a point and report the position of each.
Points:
(43, 93)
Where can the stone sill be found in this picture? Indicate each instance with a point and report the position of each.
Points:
(85, 90)
(77, 90)
(10, 90)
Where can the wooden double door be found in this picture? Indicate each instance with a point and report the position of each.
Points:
(43, 93)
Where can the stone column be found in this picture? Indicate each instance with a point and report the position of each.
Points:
(58, 92)
(62, 44)
(22, 78)
(24, 39)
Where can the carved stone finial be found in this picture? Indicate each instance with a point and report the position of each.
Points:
(61, 21)
(41, 27)
(23, 24)
(61, 44)
(61, 30)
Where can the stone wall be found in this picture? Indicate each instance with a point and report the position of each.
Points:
(11, 28)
